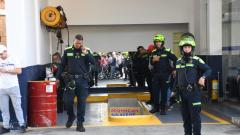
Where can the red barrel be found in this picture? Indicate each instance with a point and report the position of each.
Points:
(42, 104)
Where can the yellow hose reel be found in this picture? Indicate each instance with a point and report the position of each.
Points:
(52, 17)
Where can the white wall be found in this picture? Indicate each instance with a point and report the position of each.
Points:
(121, 37)
(122, 18)
(26, 38)
(101, 12)
(214, 25)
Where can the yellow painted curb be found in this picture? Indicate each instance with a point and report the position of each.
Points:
(97, 98)
(117, 85)
(218, 119)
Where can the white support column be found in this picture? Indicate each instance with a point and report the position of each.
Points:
(214, 27)
(26, 38)
(235, 26)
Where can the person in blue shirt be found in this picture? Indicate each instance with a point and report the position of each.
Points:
(75, 61)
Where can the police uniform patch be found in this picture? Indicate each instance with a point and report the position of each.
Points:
(69, 54)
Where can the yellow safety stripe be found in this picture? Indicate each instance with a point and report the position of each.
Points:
(189, 65)
(180, 66)
(69, 54)
(164, 55)
(168, 49)
(197, 103)
(201, 61)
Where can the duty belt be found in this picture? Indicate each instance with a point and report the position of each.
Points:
(189, 88)
(76, 76)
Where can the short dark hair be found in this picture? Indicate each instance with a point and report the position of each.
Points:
(57, 54)
(140, 47)
(79, 37)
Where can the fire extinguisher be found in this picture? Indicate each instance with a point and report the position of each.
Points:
(215, 89)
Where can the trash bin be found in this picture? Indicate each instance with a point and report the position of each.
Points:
(42, 104)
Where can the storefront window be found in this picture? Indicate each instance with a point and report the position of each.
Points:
(231, 48)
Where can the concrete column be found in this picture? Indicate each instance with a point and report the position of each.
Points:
(26, 38)
(235, 26)
(214, 25)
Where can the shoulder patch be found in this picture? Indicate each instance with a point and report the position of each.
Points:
(70, 47)
(168, 49)
(198, 59)
(179, 59)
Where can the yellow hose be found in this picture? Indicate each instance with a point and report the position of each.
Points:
(50, 16)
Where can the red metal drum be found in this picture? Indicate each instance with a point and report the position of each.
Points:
(42, 104)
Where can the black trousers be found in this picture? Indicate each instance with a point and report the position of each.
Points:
(82, 93)
(191, 109)
(160, 85)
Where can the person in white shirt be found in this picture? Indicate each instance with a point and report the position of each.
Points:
(9, 88)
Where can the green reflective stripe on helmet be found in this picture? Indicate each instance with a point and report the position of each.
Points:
(189, 65)
(159, 37)
(197, 103)
(187, 41)
(69, 54)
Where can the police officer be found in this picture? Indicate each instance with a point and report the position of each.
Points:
(191, 73)
(76, 58)
(161, 60)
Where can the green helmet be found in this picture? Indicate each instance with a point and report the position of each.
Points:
(187, 40)
(159, 37)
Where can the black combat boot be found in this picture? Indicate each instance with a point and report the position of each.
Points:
(163, 110)
(80, 128)
(70, 121)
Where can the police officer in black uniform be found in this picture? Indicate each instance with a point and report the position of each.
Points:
(161, 59)
(76, 58)
(191, 73)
